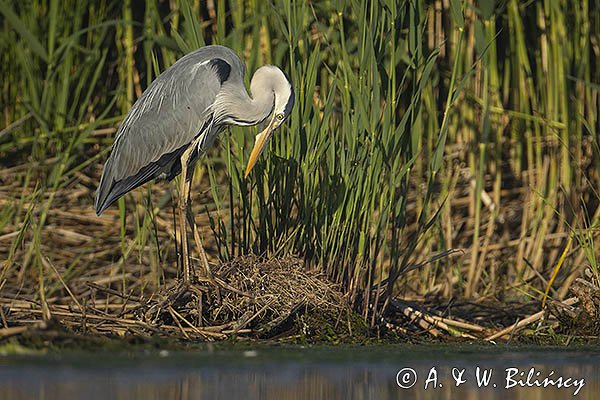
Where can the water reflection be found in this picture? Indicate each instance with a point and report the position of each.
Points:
(315, 373)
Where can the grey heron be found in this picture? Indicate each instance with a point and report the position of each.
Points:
(178, 117)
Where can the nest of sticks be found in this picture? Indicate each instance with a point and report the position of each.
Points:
(246, 297)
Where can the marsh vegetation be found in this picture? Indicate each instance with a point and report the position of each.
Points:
(440, 164)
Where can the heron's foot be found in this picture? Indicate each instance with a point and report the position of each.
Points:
(183, 304)
(188, 303)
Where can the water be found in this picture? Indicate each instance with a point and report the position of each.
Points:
(270, 372)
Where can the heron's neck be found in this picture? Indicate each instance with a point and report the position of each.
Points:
(241, 109)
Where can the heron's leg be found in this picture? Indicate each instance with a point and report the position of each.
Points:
(183, 205)
(192, 222)
(198, 242)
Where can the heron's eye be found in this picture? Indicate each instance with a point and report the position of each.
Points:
(279, 117)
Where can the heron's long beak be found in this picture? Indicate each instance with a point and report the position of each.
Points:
(259, 145)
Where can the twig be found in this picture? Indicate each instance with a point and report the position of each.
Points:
(46, 261)
(174, 315)
(436, 320)
(15, 124)
(115, 292)
(526, 321)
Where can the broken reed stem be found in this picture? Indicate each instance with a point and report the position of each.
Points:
(447, 324)
(509, 330)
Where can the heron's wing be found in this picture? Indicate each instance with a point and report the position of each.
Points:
(170, 114)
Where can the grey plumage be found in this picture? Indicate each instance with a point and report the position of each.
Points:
(190, 102)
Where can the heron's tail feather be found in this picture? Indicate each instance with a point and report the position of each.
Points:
(105, 194)
(108, 193)
(111, 188)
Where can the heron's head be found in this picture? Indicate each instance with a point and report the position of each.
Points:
(271, 81)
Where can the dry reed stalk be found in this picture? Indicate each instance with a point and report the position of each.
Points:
(509, 330)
